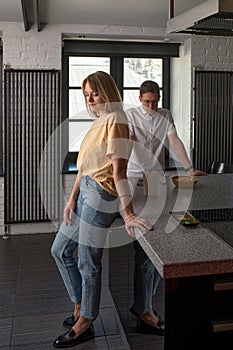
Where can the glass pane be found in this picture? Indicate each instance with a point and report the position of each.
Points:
(137, 70)
(131, 99)
(77, 107)
(81, 67)
(77, 131)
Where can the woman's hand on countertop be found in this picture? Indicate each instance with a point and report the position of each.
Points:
(133, 221)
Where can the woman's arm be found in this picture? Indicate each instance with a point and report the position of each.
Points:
(70, 206)
(124, 193)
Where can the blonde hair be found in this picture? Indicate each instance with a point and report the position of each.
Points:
(103, 84)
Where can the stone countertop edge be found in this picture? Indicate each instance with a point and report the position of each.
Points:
(195, 251)
(193, 265)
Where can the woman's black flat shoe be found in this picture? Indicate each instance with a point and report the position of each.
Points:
(143, 327)
(69, 322)
(67, 340)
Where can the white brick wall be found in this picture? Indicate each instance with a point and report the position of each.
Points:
(33, 49)
(212, 52)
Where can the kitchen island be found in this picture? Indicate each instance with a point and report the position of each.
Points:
(194, 263)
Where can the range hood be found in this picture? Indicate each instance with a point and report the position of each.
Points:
(212, 17)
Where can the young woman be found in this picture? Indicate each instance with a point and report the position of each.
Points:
(93, 205)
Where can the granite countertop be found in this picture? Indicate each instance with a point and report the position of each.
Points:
(180, 251)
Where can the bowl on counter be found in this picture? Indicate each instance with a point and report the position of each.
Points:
(185, 181)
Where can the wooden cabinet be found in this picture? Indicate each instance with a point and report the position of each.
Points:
(199, 313)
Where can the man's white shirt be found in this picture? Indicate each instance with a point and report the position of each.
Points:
(149, 134)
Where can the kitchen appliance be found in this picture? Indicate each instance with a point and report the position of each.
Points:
(219, 221)
(212, 17)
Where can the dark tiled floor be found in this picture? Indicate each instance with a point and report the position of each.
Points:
(34, 302)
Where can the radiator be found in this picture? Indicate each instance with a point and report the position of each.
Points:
(31, 116)
(213, 118)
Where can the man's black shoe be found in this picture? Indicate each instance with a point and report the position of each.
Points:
(143, 327)
(135, 313)
(160, 322)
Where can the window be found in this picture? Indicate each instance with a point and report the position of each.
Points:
(79, 69)
(137, 70)
(129, 63)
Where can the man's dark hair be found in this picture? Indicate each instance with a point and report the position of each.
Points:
(149, 86)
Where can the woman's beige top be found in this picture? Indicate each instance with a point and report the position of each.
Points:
(107, 138)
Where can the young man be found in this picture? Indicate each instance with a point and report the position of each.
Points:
(150, 127)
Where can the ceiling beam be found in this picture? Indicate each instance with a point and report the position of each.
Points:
(171, 9)
(38, 15)
(25, 15)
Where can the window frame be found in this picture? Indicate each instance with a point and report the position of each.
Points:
(117, 51)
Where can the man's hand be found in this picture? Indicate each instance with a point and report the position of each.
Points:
(197, 172)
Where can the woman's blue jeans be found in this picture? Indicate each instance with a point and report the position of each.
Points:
(95, 212)
(146, 280)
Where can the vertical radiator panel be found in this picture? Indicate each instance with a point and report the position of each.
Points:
(31, 118)
(213, 118)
